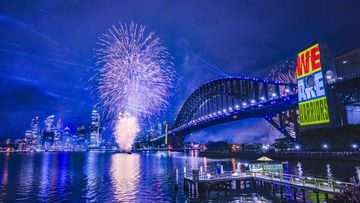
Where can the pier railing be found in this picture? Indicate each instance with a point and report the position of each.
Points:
(328, 185)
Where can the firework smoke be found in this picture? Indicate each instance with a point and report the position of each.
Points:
(126, 129)
(135, 76)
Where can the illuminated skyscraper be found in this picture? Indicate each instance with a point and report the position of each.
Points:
(57, 133)
(32, 135)
(159, 130)
(81, 136)
(49, 132)
(95, 138)
(29, 136)
(164, 123)
(49, 123)
(66, 139)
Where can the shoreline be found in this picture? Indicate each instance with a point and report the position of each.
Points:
(338, 156)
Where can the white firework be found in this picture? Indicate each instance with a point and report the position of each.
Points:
(135, 75)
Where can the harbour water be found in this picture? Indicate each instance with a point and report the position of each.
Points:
(137, 177)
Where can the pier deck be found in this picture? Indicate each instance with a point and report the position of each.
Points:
(300, 182)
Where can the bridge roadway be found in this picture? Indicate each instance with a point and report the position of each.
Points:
(266, 108)
(301, 183)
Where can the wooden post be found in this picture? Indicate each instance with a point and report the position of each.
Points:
(303, 195)
(294, 194)
(196, 189)
(177, 176)
(317, 197)
(273, 189)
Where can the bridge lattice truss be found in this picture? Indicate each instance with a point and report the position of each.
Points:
(228, 99)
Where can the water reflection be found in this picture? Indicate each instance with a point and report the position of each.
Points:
(194, 159)
(92, 176)
(144, 177)
(233, 164)
(125, 176)
(357, 175)
(26, 176)
(44, 179)
(205, 164)
(299, 169)
(329, 174)
(4, 176)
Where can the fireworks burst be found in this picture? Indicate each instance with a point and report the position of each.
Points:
(126, 129)
(283, 72)
(135, 76)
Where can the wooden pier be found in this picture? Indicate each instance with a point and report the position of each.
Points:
(200, 183)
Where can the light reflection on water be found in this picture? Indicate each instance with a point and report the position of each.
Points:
(137, 177)
(125, 175)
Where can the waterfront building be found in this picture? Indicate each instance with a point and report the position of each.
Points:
(28, 137)
(347, 68)
(21, 144)
(35, 130)
(81, 136)
(348, 64)
(57, 134)
(95, 138)
(49, 132)
(67, 139)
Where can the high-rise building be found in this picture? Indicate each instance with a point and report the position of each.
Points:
(35, 130)
(164, 124)
(59, 125)
(58, 133)
(67, 139)
(159, 130)
(81, 136)
(49, 123)
(95, 138)
(49, 132)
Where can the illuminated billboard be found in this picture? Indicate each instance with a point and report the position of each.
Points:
(313, 104)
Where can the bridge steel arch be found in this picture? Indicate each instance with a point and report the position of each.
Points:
(229, 99)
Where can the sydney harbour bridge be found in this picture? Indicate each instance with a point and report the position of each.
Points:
(235, 98)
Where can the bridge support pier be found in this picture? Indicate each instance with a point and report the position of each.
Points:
(282, 192)
(326, 197)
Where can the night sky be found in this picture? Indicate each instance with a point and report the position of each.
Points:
(47, 51)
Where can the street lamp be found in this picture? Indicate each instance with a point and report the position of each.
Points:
(325, 146)
(354, 146)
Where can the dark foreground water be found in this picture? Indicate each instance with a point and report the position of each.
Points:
(117, 177)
